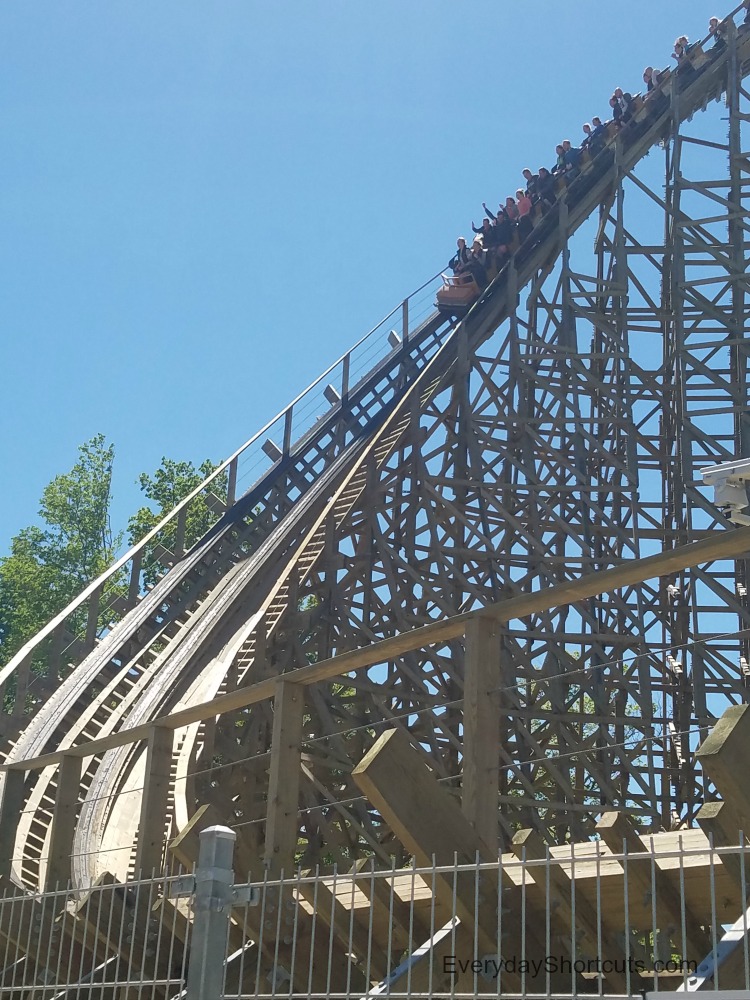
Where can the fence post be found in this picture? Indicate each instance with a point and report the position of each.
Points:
(214, 883)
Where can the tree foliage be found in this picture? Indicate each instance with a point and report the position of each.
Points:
(170, 484)
(50, 564)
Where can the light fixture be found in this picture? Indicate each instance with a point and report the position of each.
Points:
(731, 483)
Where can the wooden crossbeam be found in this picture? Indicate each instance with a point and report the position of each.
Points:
(619, 834)
(719, 822)
(719, 755)
(430, 825)
(718, 545)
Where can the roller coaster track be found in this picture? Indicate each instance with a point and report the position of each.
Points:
(228, 609)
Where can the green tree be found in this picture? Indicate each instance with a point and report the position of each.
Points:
(50, 564)
(170, 484)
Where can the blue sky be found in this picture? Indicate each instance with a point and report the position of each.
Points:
(202, 205)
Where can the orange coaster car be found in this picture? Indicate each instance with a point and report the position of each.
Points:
(459, 291)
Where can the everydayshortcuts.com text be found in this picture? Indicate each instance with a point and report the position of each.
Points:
(491, 967)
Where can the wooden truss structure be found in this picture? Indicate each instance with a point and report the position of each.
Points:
(672, 893)
(546, 441)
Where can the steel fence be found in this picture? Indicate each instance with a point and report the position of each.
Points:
(578, 920)
(112, 941)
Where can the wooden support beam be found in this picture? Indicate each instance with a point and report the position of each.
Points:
(10, 812)
(284, 778)
(154, 802)
(590, 940)
(429, 823)
(352, 938)
(481, 723)
(392, 774)
(618, 833)
(388, 909)
(721, 824)
(424, 817)
(719, 755)
(92, 619)
(63, 824)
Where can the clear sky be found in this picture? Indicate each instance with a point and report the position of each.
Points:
(202, 204)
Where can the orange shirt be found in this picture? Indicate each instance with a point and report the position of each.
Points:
(524, 206)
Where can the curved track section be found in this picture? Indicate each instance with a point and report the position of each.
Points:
(257, 595)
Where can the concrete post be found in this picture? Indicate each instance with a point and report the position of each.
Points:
(214, 884)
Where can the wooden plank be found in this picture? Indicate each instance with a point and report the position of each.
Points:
(481, 724)
(155, 801)
(527, 845)
(10, 811)
(721, 545)
(618, 833)
(719, 754)
(284, 778)
(62, 828)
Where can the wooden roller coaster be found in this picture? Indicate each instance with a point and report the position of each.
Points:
(449, 559)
